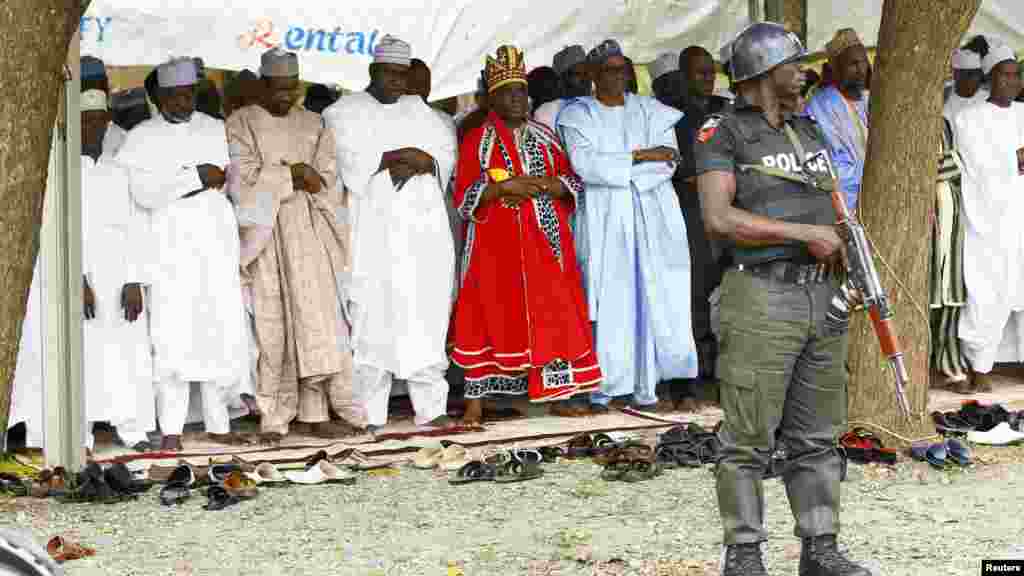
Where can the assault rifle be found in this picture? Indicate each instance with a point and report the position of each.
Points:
(863, 276)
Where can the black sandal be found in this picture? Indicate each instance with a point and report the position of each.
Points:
(475, 471)
(219, 498)
(174, 493)
(517, 471)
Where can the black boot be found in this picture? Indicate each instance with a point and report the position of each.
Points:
(743, 560)
(821, 557)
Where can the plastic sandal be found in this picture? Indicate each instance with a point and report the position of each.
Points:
(475, 471)
(219, 498)
(516, 471)
(959, 452)
(174, 493)
(62, 551)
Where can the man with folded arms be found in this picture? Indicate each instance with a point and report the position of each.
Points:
(293, 255)
(175, 164)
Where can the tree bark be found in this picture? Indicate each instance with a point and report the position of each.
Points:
(34, 36)
(914, 46)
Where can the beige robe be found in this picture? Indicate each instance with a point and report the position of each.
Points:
(293, 264)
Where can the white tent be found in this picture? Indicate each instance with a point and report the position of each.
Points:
(335, 40)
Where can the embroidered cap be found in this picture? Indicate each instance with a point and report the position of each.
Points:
(668, 62)
(391, 50)
(177, 72)
(567, 58)
(93, 101)
(276, 63)
(845, 38)
(507, 67)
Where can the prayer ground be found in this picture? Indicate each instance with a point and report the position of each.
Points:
(910, 520)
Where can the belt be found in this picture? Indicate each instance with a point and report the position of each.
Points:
(789, 272)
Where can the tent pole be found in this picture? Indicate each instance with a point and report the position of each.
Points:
(62, 263)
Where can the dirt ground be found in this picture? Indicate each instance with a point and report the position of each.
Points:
(905, 520)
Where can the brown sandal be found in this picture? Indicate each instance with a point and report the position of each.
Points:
(61, 551)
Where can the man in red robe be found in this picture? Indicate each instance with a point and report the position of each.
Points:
(520, 323)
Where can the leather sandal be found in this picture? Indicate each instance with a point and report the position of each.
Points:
(62, 551)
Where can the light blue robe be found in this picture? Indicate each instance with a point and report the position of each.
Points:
(631, 244)
(843, 137)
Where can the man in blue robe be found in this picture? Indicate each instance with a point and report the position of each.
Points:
(630, 234)
(841, 110)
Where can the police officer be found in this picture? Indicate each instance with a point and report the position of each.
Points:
(764, 183)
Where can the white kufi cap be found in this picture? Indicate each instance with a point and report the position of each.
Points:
(177, 72)
(276, 63)
(92, 101)
(391, 50)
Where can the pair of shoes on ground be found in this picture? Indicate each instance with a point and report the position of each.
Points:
(112, 484)
(687, 446)
(863, 447)
(819, 556)
(941, 455)
(502, 466)
(630, 461)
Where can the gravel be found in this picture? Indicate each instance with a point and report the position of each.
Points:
(902, 521)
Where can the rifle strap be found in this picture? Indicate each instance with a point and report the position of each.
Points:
(801, 178)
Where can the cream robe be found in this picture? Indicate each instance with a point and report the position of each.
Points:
(402, 263)
(196, 308)
(117, 366)
(293, 259)
(987, 138)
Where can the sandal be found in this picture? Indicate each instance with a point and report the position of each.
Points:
(121, 480)
(174, 493)
(517, 471)
(958, 451)
(551, 454)
(676, 455)
(613, 471)
(240, 486)
(13, 485)
(581, 446)
(219, 498)
(62, 551)
(475, 471)
(640, 470)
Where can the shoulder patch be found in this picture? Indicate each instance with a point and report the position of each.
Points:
(709, 128)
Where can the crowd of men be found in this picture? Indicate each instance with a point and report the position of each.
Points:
(566, 239)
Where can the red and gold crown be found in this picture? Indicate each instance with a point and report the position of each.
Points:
(508, 67)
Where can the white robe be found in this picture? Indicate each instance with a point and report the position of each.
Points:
(403, 261)
(987, 138)
(197, 315)
(117, 366)
(955, 104)
(29, 374)
(113, 140)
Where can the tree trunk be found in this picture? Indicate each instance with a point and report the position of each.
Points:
(914, 46)
(34, 36)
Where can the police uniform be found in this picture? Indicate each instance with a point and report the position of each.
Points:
(781, 365)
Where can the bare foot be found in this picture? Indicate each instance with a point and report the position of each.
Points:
(231, 439)
(563, 410)
(271, 438)
(171, 444)
(982, 382)
(339, 429)
(474, 412)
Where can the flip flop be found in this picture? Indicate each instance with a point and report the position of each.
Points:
(640, 470)
(174, 493)
(267, 473)
(428, 458)
(240, 486)
(516, 471)
(219, 498)
(958, 451)
(475, 471)
(62, 551)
